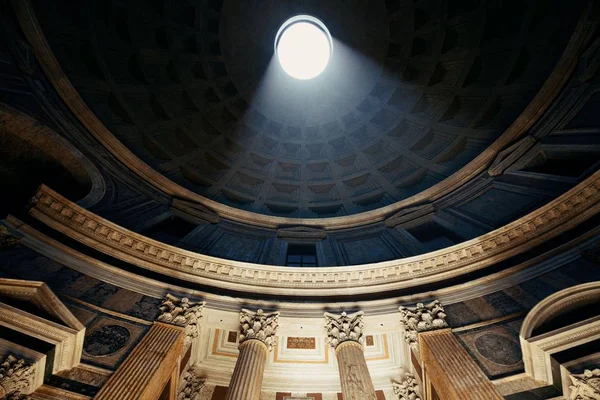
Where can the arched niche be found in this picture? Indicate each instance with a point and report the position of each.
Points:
(560, 322)
(31, 153)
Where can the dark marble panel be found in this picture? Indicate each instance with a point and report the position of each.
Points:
(71, 385)
(98, 294)
(146, 308)
(503, 303)
(459, 314)
(496, 348)
(537, 288)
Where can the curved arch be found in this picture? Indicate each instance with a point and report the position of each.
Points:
(538, 349)
(39, 137)
(558, 304)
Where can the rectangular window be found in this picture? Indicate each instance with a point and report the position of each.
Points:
(301, 255)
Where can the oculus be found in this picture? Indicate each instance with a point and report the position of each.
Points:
(304, 47)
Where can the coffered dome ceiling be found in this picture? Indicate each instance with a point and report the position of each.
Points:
(414, 91)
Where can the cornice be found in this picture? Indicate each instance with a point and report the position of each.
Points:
(538, 106)
(550, 220)
(537, 266)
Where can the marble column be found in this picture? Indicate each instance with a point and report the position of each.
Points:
(345, 335)
(257, 337)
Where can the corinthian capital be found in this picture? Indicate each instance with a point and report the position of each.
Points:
(7, 239)
(182, 312)
(344, 327)
(407, 389)
(192, 386)
(16, 377)
(422, 318)
(585, 386)
(258, 325)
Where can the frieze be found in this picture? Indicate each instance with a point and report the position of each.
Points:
(259, 325)
(555, 217)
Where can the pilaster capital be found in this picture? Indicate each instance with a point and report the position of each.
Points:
(182, 312)
(422, 318)
(259, 325)
(192, 386)
(407, 388)
(16, 377)
(7, 239)
(585, 386)
(344, 327)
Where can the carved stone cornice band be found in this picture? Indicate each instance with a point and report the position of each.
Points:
(344, 328)
(421, 318)
(550, 220)
(258, 325)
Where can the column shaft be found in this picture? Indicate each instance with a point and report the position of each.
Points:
(354, 373)
(247, 378)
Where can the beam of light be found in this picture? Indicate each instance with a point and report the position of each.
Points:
(303, 47)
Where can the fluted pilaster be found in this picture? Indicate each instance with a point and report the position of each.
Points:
(345, 335)
(247, 378)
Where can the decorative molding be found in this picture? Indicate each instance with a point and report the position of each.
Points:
(590, 62)
(258, 325)
(410, 214)
(421, 318)
(192, 386)
(407, 388)
(550, 220)
(302, 233)
(65, 333)
(182, 312)
(195, 210)
(16, 377)
(344, 327)
(508, 157)
(7, 240)
(538, 350)
(553, 86)
(585, 386)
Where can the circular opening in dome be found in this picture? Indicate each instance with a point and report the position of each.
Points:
(303, 46)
